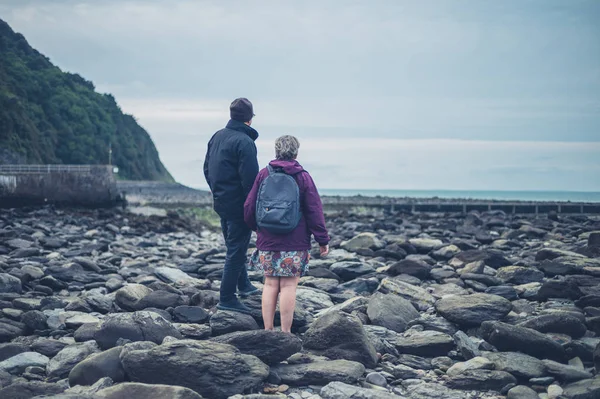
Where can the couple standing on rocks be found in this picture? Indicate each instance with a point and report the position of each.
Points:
(232, 172)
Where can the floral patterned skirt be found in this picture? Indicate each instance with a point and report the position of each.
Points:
(280, 263)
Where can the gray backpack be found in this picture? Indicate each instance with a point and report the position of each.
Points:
(278, 203)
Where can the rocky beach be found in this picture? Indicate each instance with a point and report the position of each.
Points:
(110, 304)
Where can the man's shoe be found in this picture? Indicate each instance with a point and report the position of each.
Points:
(234, 306)
(249, 292)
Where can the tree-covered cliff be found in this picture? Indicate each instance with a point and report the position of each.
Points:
(48, 116)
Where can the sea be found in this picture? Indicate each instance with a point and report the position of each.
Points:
(566, 196)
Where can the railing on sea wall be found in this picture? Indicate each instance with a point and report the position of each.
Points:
(37, 169)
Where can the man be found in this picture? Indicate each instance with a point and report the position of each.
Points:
(230, 168)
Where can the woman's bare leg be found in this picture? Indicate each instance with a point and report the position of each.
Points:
(287, 303)
(269, 301)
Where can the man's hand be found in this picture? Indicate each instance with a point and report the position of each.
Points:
(324, 249)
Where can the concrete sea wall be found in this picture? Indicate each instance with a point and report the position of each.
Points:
(79, 185)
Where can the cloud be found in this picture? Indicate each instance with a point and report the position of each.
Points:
(390, 93)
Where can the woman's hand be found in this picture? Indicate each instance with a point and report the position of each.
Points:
(324, 250)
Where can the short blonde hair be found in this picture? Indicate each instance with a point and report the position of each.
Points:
(286, 148)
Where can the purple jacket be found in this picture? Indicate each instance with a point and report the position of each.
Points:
(312, 221)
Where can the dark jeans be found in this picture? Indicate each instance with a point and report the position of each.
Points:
(235, 275)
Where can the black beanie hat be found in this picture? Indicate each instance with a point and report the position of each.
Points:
(241, 110)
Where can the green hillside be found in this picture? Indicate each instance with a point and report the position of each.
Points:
(49, 116)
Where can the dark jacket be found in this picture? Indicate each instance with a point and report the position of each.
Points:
(312, 221)
(230, 168)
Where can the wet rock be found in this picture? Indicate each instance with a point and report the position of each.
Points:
(515, 338)
(518, 364)
(11, 349)
(411, 267)
(98, 366)
(559, 322)
(61, 365)
(520, 275)
(271, 347)
(137, 326)
(472, 310)
(190, 314)
(147, 391)
(566, 373)
(350, 270)
(319, 373)
(585, 389)
(28, 390)
(10, 284)
(522, 392)
(340, 390)
(211, 369)
(559, 289)
(224, 322)
(425, 343)
(391, 311)
(18, 363)
(339, 335)
(482, 380)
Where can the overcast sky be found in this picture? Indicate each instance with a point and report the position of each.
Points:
(397, 94)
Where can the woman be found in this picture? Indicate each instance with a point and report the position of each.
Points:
(284, 257)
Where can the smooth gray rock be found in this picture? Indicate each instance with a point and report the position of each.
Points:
(584, 389)
(133, 390)
(482, 380)
(98, 366)
(518, 364)
(558, 322)
(10, 284)
(18, 363)
(319, 373)
(224, 322)
(128, 297)
(564, 372)
(465, 345)
(28, 390)
(522, 392)
(506, 337)
(137, 326)
(472, 310)
(426, 343)
(518, 275)
(61, 365)
(271, 347)
(339, 335)
(340, 390)
(211, 369)
(391, 311)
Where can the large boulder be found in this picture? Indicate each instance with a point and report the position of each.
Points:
(339, 335)
(61, 365)
(211, 369)
(137, 326)
(98, 366)
(271, 347)
(506, 337)
(319, 373)
(133, 390)
(472, 310)
(391, 311)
